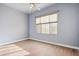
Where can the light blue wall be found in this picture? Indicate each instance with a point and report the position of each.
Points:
(67, 24)
(13, 25)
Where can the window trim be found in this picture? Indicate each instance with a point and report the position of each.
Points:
(57, 12)
(47, 14)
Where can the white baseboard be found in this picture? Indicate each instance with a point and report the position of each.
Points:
(68, 46)
(14, 41)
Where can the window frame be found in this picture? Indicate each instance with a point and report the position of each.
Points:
(47, 22)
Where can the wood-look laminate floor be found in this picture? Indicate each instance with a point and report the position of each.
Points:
(35, 48)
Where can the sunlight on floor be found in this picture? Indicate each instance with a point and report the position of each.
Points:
(13, 49)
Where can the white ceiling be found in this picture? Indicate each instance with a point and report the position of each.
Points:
(25, 7)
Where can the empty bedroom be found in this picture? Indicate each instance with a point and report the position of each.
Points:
(39, 29)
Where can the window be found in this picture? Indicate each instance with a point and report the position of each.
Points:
(47, 24)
